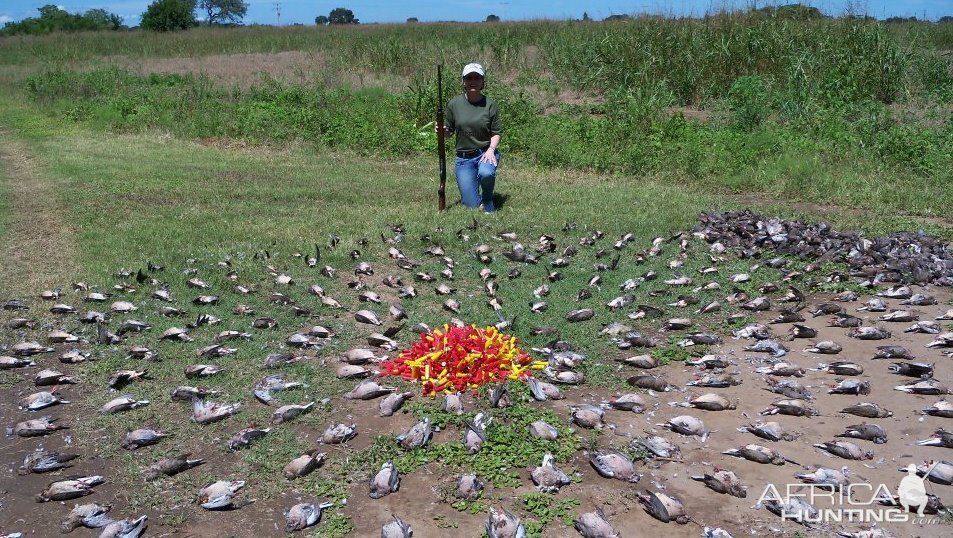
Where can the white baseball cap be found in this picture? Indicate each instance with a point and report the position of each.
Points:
(473, 68)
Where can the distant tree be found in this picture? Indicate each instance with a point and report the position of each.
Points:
(169, 15)
(798, 12)
(411, 20)
(896, 20)
(618, 17)
(224, 11)
(340, 15)
(585, 16)
(100, 18)
(54, 19)
(321, 20)
(492, 18)
(946, 19)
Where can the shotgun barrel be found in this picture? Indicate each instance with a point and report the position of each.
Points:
(441, 143)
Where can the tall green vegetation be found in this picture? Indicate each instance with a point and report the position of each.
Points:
(54, 19)
(713, 100)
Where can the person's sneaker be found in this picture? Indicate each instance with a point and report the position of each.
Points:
(489, 208)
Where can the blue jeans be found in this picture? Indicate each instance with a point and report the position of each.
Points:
(474, 177)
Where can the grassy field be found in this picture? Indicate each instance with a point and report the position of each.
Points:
(843, 121)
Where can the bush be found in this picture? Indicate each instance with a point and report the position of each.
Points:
(749, 102)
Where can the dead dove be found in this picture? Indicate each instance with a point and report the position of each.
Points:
(757, 454)
(266, 386)
(417, 436)
(850, 386)
(243, 438)
(502, 524)
(794, 509)
(929, 387)
(125, 528)
(475, 434)
(41, 461)
(304, 464)
(126, 402)
(628, 402)
(912, 369)
(867, 410)
(48, 377)
(41, 400)
(939, 472)
(941, 408)
(304, 515)
(91, 516)
(868, 432)
(219, 495)
(614, 464)
(658, 446)
(869, 333)
(825, 347)
(940, 438)
(393, 402)
(547, 477)
(397, 529)
(368, 389)
(827, 477)
(772, 431)
(723, 481)
(650, 382)
(543, 430)
(469, 487)
(385, 482)
(205, 412)
(587, 416)
(339, 433)
(37, 427)
(452, 404)
(142, 437)
(70, 488)
(287, 412)
(594, 525)
(845, 449)
(710, 402)
(687, 425)
(171, 466)
(794, 407)
(663, 507)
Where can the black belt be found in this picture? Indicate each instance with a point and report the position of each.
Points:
(468, 154)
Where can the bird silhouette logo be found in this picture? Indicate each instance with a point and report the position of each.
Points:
(912, 491)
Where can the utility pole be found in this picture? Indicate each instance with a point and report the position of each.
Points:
(278, 11)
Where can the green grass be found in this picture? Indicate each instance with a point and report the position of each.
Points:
(4, 197)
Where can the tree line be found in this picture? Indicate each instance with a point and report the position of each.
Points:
(170, 15)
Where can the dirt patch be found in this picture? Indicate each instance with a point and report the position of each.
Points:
(420, 503)
(38, 250)
(245, 70)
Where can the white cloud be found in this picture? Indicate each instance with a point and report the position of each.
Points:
(5, 19)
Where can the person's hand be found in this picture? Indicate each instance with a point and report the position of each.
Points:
(489, 156)
(446, 130)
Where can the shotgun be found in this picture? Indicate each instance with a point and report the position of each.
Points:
(441, 147)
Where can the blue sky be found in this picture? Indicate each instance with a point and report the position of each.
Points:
(304, 11)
